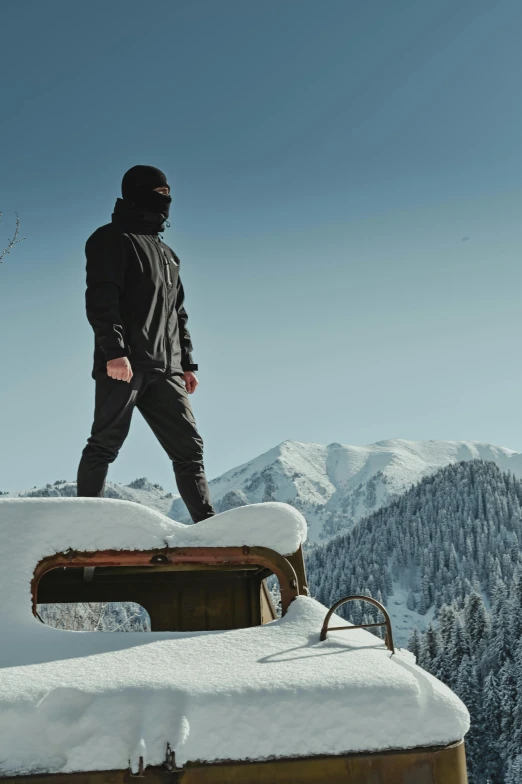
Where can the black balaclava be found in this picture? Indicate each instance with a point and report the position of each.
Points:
(138, 187)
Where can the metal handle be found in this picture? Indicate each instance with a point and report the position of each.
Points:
(141, 770)
(388, 640)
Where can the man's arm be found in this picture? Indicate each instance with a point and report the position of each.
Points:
(105, 281)
(187, 362)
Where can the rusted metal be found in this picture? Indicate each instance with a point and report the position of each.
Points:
(159, 559)
(170, 760)
(436, 765)
(297, 561)
(420, 766)
(177, 598)
(141, 770)
(197, 556)
(268, 611)
(388, 640)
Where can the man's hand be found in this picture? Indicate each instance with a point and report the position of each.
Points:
(191, 381)
(120, 369)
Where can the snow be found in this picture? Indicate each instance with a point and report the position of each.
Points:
(402, 618)
(218, 695)
(336, 485)
(73, 701)
(47, 525)
(141, 491)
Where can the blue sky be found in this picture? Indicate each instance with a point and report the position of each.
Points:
(347, 193)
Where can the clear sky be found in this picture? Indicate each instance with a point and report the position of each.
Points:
(347, 195)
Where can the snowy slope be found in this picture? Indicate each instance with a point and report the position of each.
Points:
(88, 701)
(140, 491)
(336, 485)
(454, 534)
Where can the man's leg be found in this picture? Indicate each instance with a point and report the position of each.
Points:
(114, 403)
(166, 408)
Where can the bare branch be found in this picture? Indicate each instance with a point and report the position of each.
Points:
(103, 607)
(12, 242)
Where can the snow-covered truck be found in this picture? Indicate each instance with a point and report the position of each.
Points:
(220, 690)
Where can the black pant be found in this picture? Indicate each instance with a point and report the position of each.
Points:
(164, 403)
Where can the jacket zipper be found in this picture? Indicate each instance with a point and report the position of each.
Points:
(168, 283)
(166, 262)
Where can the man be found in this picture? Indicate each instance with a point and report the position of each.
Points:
(142, 347)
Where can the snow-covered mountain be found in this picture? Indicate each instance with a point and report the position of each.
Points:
(336, 485)
(141, 491)
(453, 533)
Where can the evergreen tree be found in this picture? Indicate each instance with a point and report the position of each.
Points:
(492, 759)
(514, 770)
(508, 704)
(467, 688)
(451, 545)
(429, 648)
(476, 623)
(414, 644)
(517, 718)
(459, 645)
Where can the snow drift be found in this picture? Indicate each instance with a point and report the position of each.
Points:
(72, 701)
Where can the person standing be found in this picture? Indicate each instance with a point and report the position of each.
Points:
(142, 347)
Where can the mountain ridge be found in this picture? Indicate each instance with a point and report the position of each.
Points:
(453, 533)
(333, 485)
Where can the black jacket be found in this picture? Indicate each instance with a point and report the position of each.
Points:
(134, 296)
